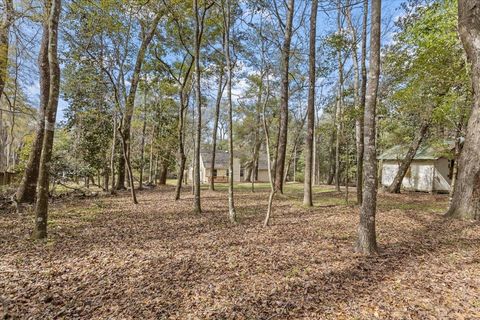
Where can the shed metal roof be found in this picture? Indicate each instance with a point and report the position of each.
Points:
(427, 152)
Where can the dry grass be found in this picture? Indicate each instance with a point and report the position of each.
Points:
(109, 259)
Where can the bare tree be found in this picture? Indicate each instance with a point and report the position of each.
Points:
(269, 162)
(307, 193)
(339, 103)
(367, 242)
(360, 119)
(28, 185)
(41, 208)
(284, 94)
(147, 36)
(142, 144)
(5, 24)
(358, 97)
(221, 87)
(466, 196)
(199, 23)
(227, 24)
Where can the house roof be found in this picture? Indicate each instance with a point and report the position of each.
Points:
(221, 159)
(427, 152)
(262, 163)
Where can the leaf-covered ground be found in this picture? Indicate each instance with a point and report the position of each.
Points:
(108, 259)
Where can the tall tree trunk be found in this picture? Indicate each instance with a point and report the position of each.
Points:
(338, 130)
(367, 241)
(41, 208)
(120, 183)
(27, 188)
(155, 175)
(5, 24)
(358, 97)
(457, 152)
(269, 162)
(112, 154)
(227, 25)
(142, 144)
(130, 103)
(221, 87)
(198, 101)
(284, 94)
(126, 156)
(181, 157)
(307, 191)
(412, 150)
(106, 176)
(331, 163)
(252, 173)
(360, 118)
(466, 197)
(150, 162)
(7, 20)
(339, 105)
(163, 174)
(255, 157)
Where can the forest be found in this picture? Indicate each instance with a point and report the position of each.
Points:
(239, 159)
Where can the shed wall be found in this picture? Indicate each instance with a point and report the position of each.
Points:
(419, 176)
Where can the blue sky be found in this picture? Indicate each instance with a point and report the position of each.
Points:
(390, 12)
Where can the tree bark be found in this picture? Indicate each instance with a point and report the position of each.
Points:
(358, 97)
(221, 87)
(363, 93)
(339, 104)
(198, 101)
(41, 208)
(112, 154)
(180, 134)
(412, 150)
(181, 151)
(7, 20)
(269, 161)
(331, 166)
(465, 203)
(457, 151)
(28, 185)
(307, 191)
(142, 144)
(227, 24)
(367, 241)
(126, 156)
(150, 162)
(284, 94)
(162, 179)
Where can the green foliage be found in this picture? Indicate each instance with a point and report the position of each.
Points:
(425, 74)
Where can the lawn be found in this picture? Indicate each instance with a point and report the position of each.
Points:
(109, 259)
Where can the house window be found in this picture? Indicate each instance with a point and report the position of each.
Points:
(214, 172)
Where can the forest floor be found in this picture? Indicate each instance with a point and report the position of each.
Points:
(109, 259)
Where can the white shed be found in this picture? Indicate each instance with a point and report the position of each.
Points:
(430, 170)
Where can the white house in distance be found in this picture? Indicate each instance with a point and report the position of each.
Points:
(220, 173)
(221, 167)
(430, 170)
